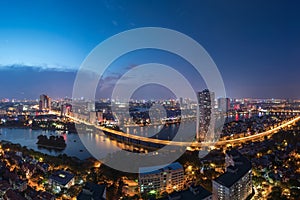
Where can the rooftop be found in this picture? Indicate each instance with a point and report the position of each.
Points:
(234, 173)
(11, 194)
(92, 191)
(62, 177)
(4, 185)
(159, 169)
(194, 193)
(46, 196)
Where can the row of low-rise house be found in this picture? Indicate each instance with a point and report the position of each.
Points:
(17, 171)
(234, 184)
(274, 163)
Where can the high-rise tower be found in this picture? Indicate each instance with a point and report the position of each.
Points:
(45, 102)
(205, 108)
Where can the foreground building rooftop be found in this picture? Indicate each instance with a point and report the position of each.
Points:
(61, 177)
(158, 169)
(236, 171)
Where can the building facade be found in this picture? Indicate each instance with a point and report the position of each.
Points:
(236, 182)
(167, 179)
(45, 102)
(206, 102)
(223, 105)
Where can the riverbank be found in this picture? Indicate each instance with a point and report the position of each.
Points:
(62, 159)
(40, 122)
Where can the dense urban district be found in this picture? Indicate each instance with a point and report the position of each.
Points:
(255, 154)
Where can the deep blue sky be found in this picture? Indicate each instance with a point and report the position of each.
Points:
(255, 44)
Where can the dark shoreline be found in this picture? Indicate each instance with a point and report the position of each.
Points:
(35, 152)
(50, 147)
(52, 142)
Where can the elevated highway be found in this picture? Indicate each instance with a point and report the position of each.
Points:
(152, 142)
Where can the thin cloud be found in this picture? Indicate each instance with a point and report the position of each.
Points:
(40, 67)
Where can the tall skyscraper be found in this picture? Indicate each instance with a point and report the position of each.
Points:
(45, 102)
(65, 109)
(206, 102)
(91, 107)
(223, 104)
(236, 182)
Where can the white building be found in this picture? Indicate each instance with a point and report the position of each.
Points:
(169, 179)
(61, 179)
(236, 182)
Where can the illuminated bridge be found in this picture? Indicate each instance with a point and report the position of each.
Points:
(157, 143)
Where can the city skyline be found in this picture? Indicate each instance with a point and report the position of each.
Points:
(257, 147)
(172, 99)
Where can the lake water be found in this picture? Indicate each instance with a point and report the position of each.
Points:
(97, 143)
(28, 138)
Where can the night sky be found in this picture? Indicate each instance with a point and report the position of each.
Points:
(255, 44)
